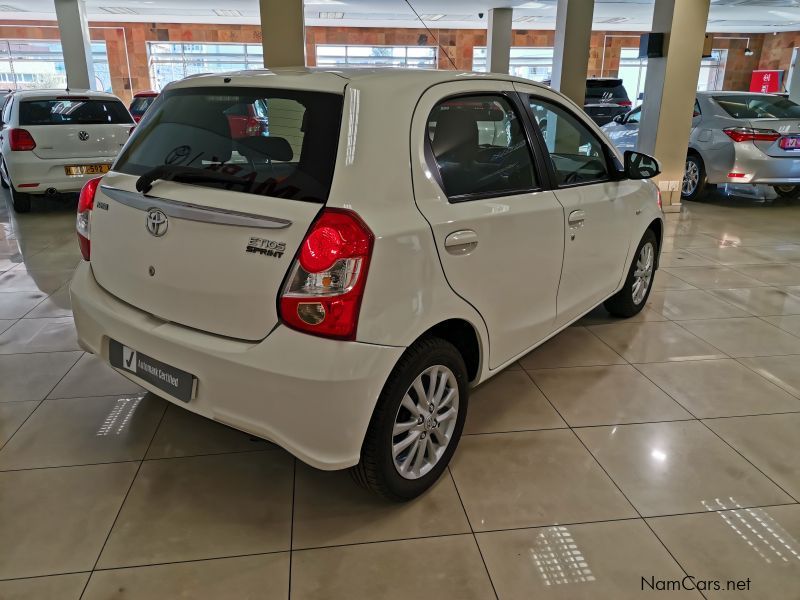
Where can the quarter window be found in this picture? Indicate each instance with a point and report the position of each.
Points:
(480, 148)
(577, 155)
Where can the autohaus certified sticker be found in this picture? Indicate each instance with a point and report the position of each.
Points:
(266, 247)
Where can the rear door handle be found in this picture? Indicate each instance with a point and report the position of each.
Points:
(461, 242)
(576, 218)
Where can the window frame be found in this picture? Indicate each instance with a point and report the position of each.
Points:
(612, 163)
(541, 174)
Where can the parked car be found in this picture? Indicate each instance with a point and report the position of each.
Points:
(606, 99)
(53, 141)
(141, 102)
(248, 120)
(736, 137)
(338, 285)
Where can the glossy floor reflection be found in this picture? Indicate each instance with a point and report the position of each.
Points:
(620, 450)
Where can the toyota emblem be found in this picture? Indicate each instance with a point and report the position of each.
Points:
(83, 135)
(157, 222)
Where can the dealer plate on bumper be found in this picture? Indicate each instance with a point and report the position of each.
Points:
(175, 382)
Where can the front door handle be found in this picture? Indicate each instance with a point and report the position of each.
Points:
(461, 242)
(576, 218)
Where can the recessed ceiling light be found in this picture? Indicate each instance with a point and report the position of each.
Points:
(118, 10)
(228, 12)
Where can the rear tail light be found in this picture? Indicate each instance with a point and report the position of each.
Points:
(85, 206)
(252, 127)
(658, 199)
(749, 134)
(21, 140)
(136, 119)
(625, 103)
(323, 293)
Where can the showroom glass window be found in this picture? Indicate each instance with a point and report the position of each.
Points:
(480, 148)
(528, 62)
(410, 57)
(172, 61)
(577, 155)
(39, 64)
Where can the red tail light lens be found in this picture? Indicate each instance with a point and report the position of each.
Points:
(323, 293)
(21, 140)
(85, 206)
(625, 103)
(749, 134)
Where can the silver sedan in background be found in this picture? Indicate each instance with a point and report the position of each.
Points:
(736, 137)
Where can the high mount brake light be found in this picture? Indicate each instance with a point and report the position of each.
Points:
(83, 223)
(323, 292)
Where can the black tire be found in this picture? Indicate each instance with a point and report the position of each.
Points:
(3, 181)
(376, 471)
(693, 193)
(623, 304)
(787, 191)
(21, 201)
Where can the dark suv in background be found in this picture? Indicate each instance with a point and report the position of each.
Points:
(605, 99)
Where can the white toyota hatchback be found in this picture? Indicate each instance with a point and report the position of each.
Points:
(53, 141)
(337, 281)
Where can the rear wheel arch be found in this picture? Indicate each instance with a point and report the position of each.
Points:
(463, 335)
(657, 227)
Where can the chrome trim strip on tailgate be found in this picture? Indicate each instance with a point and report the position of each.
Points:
(194, 212)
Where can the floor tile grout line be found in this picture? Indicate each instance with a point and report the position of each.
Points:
(124, 499)
(775, 483)
(794, 394)
(3, 445)
(472, 531)
(291, 527)
(612, 480)
(393, 540)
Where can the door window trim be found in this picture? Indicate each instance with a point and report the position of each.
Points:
(613, 172)
(543, 183)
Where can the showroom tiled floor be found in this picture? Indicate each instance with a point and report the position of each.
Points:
(654, 447)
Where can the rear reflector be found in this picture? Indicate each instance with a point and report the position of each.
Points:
(625, 103)
(749, 134)
(28, 185)
(737, 175)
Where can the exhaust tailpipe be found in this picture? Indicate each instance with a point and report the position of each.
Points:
(51, 191)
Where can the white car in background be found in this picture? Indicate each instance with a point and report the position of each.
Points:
(338, 283)
(53, 141)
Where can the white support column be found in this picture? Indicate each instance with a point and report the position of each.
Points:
(794, 84)
(283, 33)
(498, 47)
(669, 91)
(571, 52)
(76, 44)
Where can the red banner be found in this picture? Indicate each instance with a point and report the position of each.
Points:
(767, 82)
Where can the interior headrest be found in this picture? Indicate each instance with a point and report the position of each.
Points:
(259, 147)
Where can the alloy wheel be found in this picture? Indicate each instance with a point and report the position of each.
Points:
(691, 178)
(643, 273)
(425, 421)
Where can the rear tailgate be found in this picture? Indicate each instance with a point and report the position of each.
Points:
(788, 145)
(215, 270)
(213, 255)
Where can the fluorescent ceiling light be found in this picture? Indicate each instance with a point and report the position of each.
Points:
(431, 17)
(228, 12)
(331, 15)
(532, 5)
(118, 10)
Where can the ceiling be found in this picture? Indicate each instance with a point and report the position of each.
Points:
(618, 15)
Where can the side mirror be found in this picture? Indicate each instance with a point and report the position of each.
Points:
(640, 166)
(619, 119)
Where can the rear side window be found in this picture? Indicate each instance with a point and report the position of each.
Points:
(73, 111)
(480, 148)
(605, 89)
(268, 142)
(578, 156)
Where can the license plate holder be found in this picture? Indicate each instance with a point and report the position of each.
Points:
(86, 169)
(175, 382)
(790, 143)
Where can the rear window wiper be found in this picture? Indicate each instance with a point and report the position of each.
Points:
(185, 174)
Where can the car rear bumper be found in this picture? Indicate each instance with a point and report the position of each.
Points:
(757, 167)
(26, 168)
(312, 396)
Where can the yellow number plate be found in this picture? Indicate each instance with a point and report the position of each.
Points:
(86, 169)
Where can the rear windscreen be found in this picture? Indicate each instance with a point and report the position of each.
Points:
(605, 90)
(269, 142)
(140, 105)
(756, 106)
(73, 112)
